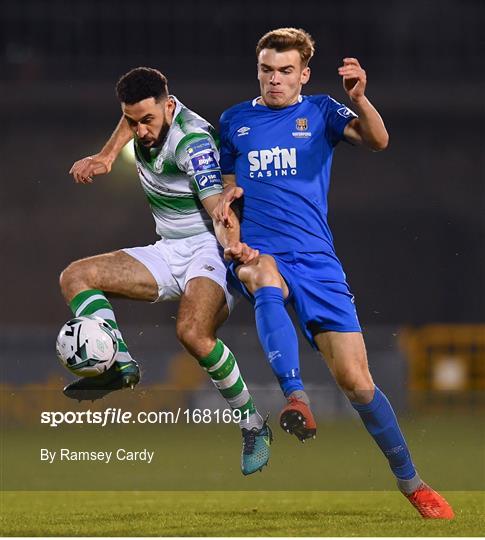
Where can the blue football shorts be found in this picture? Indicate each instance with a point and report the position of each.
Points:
(319, 292)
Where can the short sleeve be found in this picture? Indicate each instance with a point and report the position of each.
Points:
(197, 155)
(337, 116)
(228, 152)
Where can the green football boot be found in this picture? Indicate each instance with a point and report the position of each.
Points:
(255, 451)
(119, 375)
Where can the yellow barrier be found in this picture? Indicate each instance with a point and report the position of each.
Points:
(447, 364)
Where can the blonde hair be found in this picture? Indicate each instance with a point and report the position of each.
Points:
(287, 39)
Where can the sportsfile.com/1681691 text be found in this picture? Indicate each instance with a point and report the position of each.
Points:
(113, 415)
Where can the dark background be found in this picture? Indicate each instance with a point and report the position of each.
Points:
(408, 223)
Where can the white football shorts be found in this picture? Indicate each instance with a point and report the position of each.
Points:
(175, 261)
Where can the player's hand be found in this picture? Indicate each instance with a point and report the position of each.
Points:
(241, 253)
(84, 169)
(354, 78)
(221, 211)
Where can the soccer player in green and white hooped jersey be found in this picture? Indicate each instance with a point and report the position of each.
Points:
(178, 165)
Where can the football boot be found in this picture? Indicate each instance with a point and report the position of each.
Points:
(297, 419)
(430, 504)
(120, 375)
(256, 448)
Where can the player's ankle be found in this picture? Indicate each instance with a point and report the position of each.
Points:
(409, 486)
(300, 395)
(254, 420)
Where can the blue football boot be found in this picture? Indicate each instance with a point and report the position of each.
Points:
(255, 451)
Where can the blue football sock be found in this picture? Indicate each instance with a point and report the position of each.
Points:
(278, 338)
(381, 422)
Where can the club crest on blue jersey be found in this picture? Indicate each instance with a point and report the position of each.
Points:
(302, 132)
(208, 180)
(302, 124)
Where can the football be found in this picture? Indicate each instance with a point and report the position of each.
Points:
(87, 346)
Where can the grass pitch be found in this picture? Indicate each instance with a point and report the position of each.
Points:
(277, 513)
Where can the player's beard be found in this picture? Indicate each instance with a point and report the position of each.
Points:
(160, 139)
(162, 135)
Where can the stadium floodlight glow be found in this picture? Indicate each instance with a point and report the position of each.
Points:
(128, 152)
(450, 374)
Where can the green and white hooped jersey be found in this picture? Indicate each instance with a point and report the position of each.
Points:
(180, 174)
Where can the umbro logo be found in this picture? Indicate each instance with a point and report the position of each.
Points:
(273, 355)
(243, 131)
(208, 267)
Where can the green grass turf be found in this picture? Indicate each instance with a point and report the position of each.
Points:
(279, 513)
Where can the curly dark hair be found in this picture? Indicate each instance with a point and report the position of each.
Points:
(141, 83)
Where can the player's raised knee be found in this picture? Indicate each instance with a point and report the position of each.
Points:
(77, 274)
(263, 273)
(66, 277)
(184, 332)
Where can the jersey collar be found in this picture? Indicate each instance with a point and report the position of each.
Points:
(178, 106)
(255, 101)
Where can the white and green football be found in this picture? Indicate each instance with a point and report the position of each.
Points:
(87, 346)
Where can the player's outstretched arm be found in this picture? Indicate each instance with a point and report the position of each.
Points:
(229, 236)
(222, 212)
(84, 169)
(369, 128)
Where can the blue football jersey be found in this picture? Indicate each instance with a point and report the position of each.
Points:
(282, 159)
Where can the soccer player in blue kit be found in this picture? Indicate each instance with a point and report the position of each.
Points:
(276, 156)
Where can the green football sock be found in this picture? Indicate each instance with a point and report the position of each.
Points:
(94, 302)
(223, 370)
